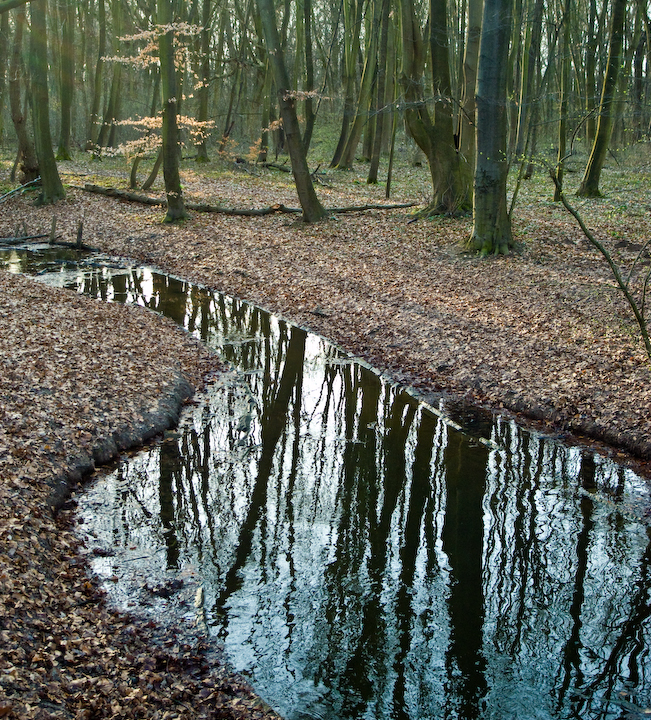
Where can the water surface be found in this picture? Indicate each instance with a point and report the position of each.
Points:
(359, 554)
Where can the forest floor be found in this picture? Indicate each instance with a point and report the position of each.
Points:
(542, 333)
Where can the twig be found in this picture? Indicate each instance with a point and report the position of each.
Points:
(623, 285)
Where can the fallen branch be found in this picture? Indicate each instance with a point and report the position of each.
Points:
(250, 212)
(21, 240)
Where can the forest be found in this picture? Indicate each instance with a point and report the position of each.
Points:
(480, 90)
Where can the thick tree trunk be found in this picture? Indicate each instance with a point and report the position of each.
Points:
(450, 173)
(170, 131)
(590, 184)
(52, 189)
(312, 208)
(491, 233)
(26, 156)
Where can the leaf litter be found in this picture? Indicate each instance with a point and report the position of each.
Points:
(541, 333)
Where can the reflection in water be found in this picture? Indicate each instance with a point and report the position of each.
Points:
(363, 558)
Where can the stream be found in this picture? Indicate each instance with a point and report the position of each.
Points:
(357, 552)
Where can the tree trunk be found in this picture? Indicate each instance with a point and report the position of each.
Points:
(380, 105)
(202, 115)
(112, 108)
(170, 131)
(352, 28)
(67, 76)
(466, 140)
(4, 52)
(26, 155)
(491, 232)
(450, 173)
(312, 208)
(565, 89)
(590, 184)
(364, 99)
(93, 125)
(52, 189)
(310, 117)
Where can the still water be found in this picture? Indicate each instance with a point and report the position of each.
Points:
(359, 554)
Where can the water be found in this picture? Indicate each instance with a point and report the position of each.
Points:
(357, 553)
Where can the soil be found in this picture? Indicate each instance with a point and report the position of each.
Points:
(542, 333)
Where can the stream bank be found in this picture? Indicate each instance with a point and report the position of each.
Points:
(80, 379)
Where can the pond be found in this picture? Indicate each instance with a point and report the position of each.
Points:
(360, 554)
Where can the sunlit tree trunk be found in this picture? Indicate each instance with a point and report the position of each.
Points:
(312, 208)
(203, 91)
(170, 131)
(590, 184)
(52, 188)
(491, 233)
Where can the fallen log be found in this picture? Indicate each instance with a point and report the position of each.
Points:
(246, 212)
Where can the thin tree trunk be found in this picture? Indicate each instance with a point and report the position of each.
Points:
(590, 184)
(67, 76)
(93, 126)
(312, 208)
(4, 52)
(170, 131)
(565, 82)
(364, 99)
(466, 140)
(380, 105)
(112, 108)
(352, 28)
(310, 117)
(202, 115)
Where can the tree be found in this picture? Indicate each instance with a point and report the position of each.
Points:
(52, 188)
(312, 208)
(590, 184)
(435, 136)
(66, 75)
(170, 131)
(491, 233)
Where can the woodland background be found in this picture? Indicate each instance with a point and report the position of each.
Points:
(482, 88)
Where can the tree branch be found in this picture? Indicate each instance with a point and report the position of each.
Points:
(252, 212)
(6, 5)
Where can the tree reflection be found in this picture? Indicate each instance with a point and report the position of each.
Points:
(362, 558)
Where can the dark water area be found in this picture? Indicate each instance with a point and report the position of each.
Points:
(358, 553)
